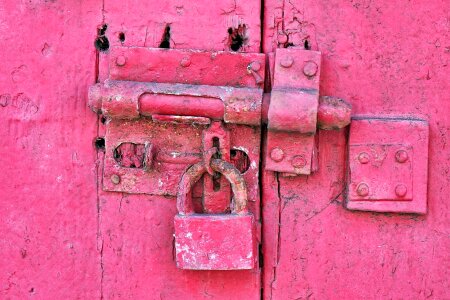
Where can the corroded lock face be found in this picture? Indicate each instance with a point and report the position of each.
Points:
(214, 241)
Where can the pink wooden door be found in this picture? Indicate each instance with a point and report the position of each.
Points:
(74, 227)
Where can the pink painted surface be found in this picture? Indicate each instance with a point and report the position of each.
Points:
(63, 237)
(48, 207)
(388, 58)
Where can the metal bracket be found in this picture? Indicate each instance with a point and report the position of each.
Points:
(388, 163)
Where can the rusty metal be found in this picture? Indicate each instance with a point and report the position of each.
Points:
(214, 241)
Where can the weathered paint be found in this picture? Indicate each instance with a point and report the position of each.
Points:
(48, 199)
(63, 239)
(385, 58)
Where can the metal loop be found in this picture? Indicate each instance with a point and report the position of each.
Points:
(195, 172)
(207, 156)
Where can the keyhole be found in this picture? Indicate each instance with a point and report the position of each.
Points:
(217, 176)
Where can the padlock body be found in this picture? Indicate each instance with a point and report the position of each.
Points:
(215, 241)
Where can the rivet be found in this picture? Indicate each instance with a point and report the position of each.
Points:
(287, 62)
(115, 179)
(254, 66)
(298, 161)
(185, 62)
(401, 190)
(362, 189)
(282, 38)
(121, 60)
(310, 69)
(277, 154)
(401, 156)
(363, 158)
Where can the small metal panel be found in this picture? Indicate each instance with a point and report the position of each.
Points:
(215, 242)
(197, 67)
(174, 147)
(388, 165)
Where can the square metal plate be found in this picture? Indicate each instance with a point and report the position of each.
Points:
(388, 165)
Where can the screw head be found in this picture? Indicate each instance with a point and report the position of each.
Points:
(121, 60)
(115, 179)
(254, 66)
(401, 190)
(185, 62)
(363, 158)
(277, 154)
(298, 161)
(287, 62)
(282, 38)
(362, 189)
(401, 156)
(310, 69)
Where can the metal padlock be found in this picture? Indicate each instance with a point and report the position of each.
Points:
(214, 241)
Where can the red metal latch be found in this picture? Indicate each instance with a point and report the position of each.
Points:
(296, 110)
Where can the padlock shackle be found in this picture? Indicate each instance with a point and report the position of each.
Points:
(196, 171)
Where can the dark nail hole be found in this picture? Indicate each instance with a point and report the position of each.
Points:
(237, 37)
(121, 37)
(31, 290)
(307, 45)
(102, 30)
(103, 119)
(100, 143)
(101, 42)
(287, 45)
(165, 41)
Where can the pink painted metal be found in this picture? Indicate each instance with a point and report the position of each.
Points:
(214, 241)
(388, 165)
(68, 231)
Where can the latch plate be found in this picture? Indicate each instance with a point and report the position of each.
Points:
(388, 165)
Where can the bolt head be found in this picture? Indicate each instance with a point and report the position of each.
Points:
(115, 179)
(282, 38)
(362, 189)
(121, 60)
(363, 158)
(254, 66)
(298, 161)
(401, 190)
(185, 62)
(277, 154)
(401, 156)
(310, 69)
(287, 62)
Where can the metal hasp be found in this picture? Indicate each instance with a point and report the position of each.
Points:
(169, 104)
(388, 165)
(295, 111)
